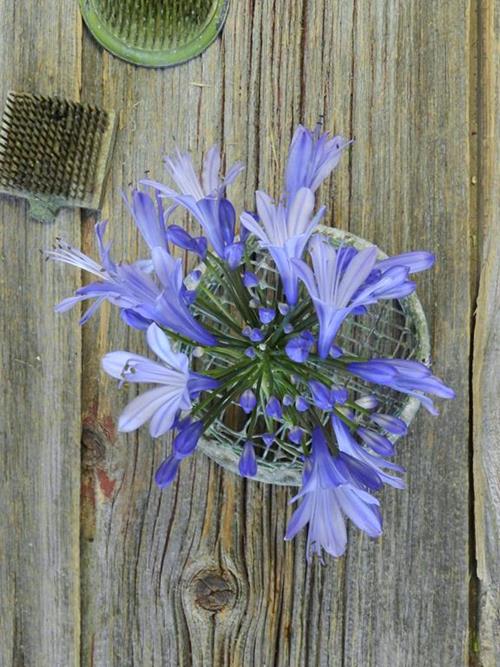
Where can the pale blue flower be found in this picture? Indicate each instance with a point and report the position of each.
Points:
(337, 284)
(348, 445)
(311, 159)
(176, 384)
(404, 375)
(284, 231)
(327, 494)
(170, 309)
(205, 199)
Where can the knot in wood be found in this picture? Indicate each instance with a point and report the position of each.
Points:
(93, 445)
(213, 590)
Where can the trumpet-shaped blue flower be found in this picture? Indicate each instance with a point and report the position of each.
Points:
(327, 495)
(127, 286)
(179, 237)
(205, 199)
(404, 375)
(311, 159)
(149, 219)
(339, 284)
(375, 464)
(284, 231)
(170, 309)
(177, 385)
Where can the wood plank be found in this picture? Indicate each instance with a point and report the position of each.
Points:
(40, 388)
(199, 574)
(486, 369)
(407, 595)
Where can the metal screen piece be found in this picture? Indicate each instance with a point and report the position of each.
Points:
(54, 152)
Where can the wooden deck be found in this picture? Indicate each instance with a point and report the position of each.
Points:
(100, 568)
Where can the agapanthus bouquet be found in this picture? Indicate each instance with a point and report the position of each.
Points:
(248, 347)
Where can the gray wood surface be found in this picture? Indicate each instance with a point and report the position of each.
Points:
(100, 568)
(486, 376)
(40, 426)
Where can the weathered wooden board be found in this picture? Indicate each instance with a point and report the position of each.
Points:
(486, 375)
(199, 574)
(41, 368)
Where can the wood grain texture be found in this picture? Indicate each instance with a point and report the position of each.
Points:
(40, 387)
(199, 574)
(486, 375)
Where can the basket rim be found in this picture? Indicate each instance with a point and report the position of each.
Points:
(290, 475)
(155, 58)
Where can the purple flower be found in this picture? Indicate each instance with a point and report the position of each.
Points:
(343, 281)
(170, 310)
(348, 445)
(248, 463)
(404, 375)
(126, 286)
(250, 353)
(255, 335)
(284, 231)
(248, 401)
(184, 445)
(250, 279)
(149, 219)
(301, 405)
(180, 237)
(390, 424)
(167, 471)
(268, 439)
(186, 441)
(295, 435)
(176, 384)
(327, 494)
(298, 348)
(375, 441)
(266, 315)
(134, 290)
(273, 408)
(205, 199)
(283, 308)
(311, 158)
(337, 275)
(413, 261)
(287, 400)
(325, 398)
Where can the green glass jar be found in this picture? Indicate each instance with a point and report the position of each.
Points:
(155, 33)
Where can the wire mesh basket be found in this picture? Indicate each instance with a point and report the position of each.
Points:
(155, 33)
(392, 328)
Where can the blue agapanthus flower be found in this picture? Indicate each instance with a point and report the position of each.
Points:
(247, 345)
(328, 495)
